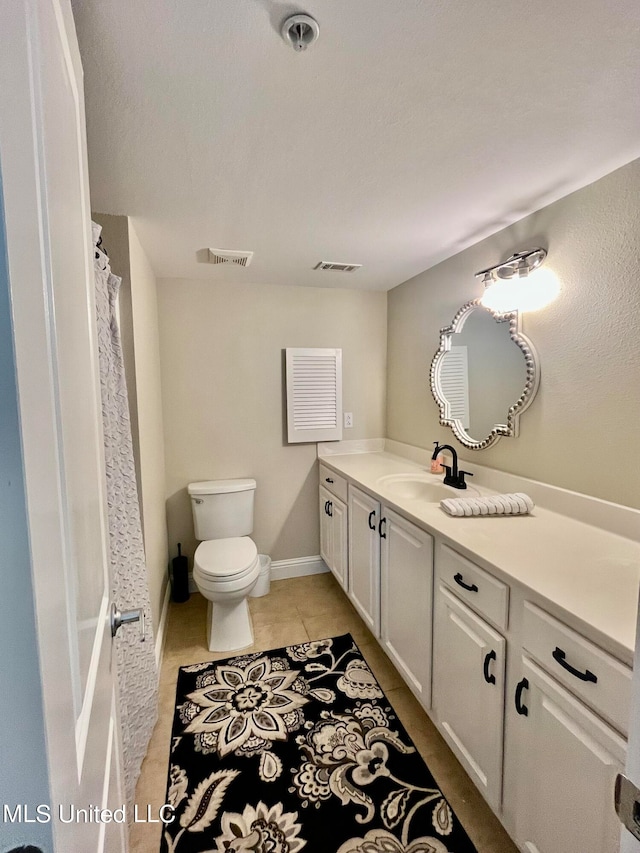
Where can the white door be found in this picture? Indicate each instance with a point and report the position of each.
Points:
(50, 255)
(364, 557)
(406, 595)
(468, 690)
(629, 844)
(567, 763)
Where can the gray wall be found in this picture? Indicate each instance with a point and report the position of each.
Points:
(23, 772)
(221, 347)
(581, 432)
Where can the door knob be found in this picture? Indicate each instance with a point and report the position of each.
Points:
(124, 618)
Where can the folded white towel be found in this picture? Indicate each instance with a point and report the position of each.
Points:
(514, 504)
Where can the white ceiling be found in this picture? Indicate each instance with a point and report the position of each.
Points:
(412, 129)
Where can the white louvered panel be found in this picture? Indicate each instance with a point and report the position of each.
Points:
(454, 384)
(314, 394)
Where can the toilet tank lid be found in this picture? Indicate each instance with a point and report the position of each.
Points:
(220, 487)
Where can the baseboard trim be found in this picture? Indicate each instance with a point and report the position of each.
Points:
(162, 627)
(298, 567)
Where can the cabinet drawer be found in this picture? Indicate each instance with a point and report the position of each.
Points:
(482, 591)
(334, 482)
(601, 681)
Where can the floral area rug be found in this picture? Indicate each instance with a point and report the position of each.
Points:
(298, 749)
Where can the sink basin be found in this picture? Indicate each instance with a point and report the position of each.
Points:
(422, 487)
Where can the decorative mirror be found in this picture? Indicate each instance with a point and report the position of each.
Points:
(484, 375)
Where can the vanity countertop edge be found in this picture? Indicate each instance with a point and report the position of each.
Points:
(585, 576)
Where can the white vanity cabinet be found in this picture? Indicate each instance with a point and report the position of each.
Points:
(406, 600)
(469, 690)
(566, 755)
(364, 556)
(391, 585)
(333, 536)
(471, 612)
(503, 651)
(567, 761)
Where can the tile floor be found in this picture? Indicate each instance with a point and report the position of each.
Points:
(299, 609)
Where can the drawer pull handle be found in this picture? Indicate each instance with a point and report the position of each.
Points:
(372, 517)
(488, 677)
(382, 535)
(520, 708)
(328, 480)
(329, 507)
(560, 657)
(469, 587)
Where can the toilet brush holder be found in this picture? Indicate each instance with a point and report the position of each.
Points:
(180, 580)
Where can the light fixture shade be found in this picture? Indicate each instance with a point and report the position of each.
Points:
(528, 293)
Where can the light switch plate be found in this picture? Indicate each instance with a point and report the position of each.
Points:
(348, 420)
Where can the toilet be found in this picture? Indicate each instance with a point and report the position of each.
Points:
(226, 565)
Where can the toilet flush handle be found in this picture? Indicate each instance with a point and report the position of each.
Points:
(117, 619)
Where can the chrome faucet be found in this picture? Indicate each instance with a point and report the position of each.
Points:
(452, 476)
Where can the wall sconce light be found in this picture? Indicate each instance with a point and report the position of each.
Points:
(509, 286)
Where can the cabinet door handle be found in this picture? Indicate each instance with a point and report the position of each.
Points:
(469, 587)
(382, 535)
(326, 505)
(560, 657)
(520, 708)
(328, 480)
(372, 517)
(488, 677)
(330, 505)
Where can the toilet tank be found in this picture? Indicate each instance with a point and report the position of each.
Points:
(222, 508)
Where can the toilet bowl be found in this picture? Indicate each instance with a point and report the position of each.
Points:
(225, 571)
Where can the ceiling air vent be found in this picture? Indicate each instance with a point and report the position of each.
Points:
(230, 256)
(331, 265)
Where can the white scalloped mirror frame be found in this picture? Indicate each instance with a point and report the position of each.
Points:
(510, 427)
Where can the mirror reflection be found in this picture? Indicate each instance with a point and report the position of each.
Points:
(482, 370)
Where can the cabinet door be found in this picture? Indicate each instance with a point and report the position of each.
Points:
(567, 763)
(326, 539)
(364, 557)
(340, 564)
(406, 598)
(468, 690)
(333, 536)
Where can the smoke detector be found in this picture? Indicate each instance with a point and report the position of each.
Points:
(300, 31)
(337, 267)
(230, 256)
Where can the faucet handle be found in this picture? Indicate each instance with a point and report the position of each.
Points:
(461, 476)
(449, 479)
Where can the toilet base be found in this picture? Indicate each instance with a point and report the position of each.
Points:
(229, 626)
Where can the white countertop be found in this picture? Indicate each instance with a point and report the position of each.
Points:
(591, 576)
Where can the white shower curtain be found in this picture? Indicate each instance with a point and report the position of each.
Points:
(135, 660)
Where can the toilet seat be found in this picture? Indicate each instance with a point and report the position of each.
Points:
(222, 560)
